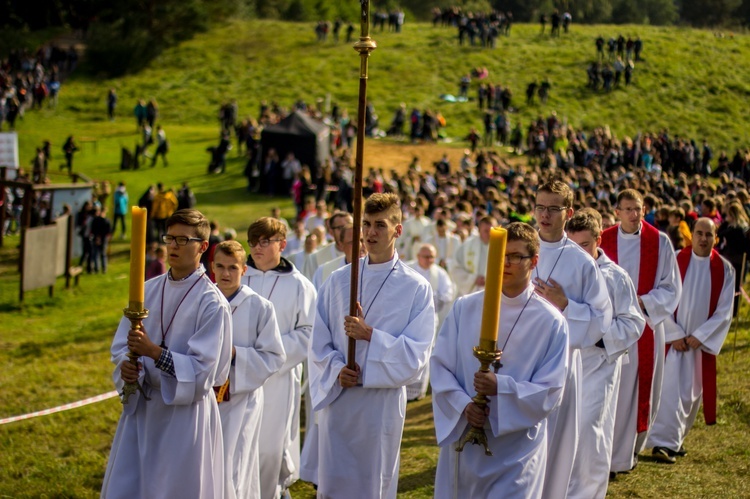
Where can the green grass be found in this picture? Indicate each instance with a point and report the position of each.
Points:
(55, 350)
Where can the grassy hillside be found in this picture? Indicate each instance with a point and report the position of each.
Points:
(691, 81)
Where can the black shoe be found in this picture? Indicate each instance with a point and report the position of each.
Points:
(612, 476)
(682, 452)
(662, 455)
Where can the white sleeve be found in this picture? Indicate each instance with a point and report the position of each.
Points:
(713, 332)
(395, 359)
(253, 365)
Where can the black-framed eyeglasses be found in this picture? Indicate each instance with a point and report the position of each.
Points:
(180, 240)
(515, 258)
(263, 242)
(549, 209)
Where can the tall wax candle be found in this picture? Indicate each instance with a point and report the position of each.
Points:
(493, 288)
(137, 254)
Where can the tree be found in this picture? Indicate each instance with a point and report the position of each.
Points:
(704, 13)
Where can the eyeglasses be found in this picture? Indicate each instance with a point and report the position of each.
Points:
(515, 258)
(180, 240)
(552, 210)
(263, 243)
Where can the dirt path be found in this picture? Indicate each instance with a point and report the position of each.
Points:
(397, 156)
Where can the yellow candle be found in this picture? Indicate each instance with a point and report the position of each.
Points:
(493, 287)
(137, 254)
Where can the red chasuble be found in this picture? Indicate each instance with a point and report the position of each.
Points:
(708, 360)
(646, 282)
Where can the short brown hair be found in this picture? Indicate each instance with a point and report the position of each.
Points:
(265, 227)
(232, 248)
(558, 187)
(191, 218)
(488, 219)
(630, 195)
(677, 212)
(520, 231)
(582, 221)
(388, 202)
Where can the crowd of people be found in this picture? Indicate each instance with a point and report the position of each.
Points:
(28, 79)
(608, 71)
(613, 253)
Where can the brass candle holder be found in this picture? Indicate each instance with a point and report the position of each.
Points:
(487, 353)
(135, 313)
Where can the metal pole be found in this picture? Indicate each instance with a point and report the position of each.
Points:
(364, 46)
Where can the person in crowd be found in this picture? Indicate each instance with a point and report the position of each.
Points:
(393, 329)
(257, 353)
(601, 363)
(694, 336)
(569, 279)
(293, 297)
(648, 257)
(527, 383)
(169, 437)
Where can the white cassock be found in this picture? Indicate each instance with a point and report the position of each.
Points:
(294, 244)
(660, 304)
(470, 262)
(415, 231)
(324, 271)
(293, 298)
(446, 248)
(298, 259)
(601, 382)
(259, 353)
(313, 220)
(443, 293)
(361, 427)
(322, 255)
(309, 456)
(171, 446)
(529, 385)
(683, 375)
(588, 314)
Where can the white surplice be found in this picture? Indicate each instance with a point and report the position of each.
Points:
(683, 374)
(309, 456)
(660, 304)
(530, 385)
(415, 231)
(443, 293)
(324, 271)
(259, 353)
(446, 247)
(601, 383)
(323, 254)
(588, 314)
(470, 262)
(171, 446)
(293, 298)
(361, 427)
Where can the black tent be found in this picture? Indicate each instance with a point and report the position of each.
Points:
(307, 138)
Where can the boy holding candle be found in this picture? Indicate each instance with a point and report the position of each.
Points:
(527, 384)
(569, 279)
(361, 411)
(171, 444)
(257, 353)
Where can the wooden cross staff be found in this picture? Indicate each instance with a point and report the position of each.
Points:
(364, 46)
